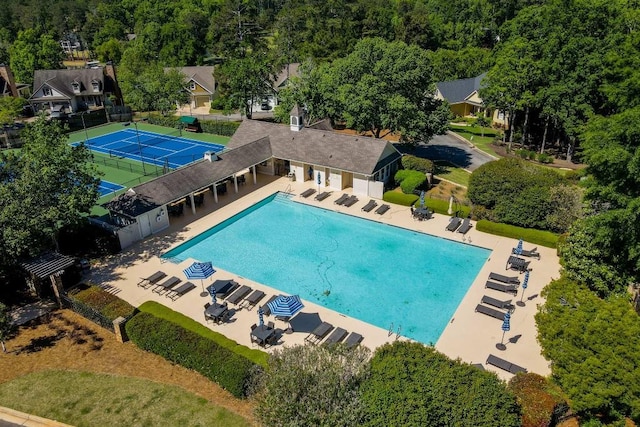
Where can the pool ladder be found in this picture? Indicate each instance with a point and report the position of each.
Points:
(390, 332)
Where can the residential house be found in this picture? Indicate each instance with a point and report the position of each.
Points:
(282, 80)
(464, 99)
(70, 91)
(331, 160)
(200, 83)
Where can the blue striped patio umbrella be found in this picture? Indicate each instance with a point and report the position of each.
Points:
(285, 306)
(200, 270)
(422, 199)
(261, 316)
(518, 249)
(506, 326)
(525, 283)
(212, 292)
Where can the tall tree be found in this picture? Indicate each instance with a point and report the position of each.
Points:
(32, 51)
(245, 81)
(46, 186)
(10, 108)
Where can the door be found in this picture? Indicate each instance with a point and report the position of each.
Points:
(145, 225)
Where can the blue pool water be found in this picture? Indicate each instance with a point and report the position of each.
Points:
(374, 272)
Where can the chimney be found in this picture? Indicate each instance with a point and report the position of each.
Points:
(296, 117)
(211, 156)
(7, 75)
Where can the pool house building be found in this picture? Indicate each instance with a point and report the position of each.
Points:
(330, 160)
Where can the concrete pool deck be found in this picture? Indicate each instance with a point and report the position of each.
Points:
(469, 336)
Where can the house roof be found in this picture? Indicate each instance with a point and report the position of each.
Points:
(47, 264)
(319, 147)
(203, 75)
(288, 71)
(457, 91)
(196, 176)
(61, 81)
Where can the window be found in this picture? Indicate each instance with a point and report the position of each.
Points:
(500, 115)
(96, 86)
(46, 91)
(192, 85)
(76, 87)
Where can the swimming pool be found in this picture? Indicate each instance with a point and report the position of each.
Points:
(374, 272)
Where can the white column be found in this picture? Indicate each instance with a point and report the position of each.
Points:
(255, 175)
(215, 192)
(193, 204)
(235, 182)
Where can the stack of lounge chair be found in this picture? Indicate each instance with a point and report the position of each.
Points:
(518, 264)
(382, 209)
(340, 200)
(350, 201)
(454, 223)
(369, 206)
(307, 193)
(320, 197)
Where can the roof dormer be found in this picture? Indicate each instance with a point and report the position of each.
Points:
(75, 86)
(95, 85)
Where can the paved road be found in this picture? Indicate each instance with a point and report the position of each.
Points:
(448, 147)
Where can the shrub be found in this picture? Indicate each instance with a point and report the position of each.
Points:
(399, 198)
(537, 237)
(216, 127)
(100, 300)
(410, 384)
(410, 180)
(183, 347)
(417, 163)
(545, 158)
(442, 207)
(164, 312)
(541, 401)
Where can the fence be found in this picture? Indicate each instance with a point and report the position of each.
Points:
(87, 312)
(151, 168)
(215, 127)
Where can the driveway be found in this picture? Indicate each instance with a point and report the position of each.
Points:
(452, 149)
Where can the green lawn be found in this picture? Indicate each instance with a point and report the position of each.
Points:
(446, 170)
(473, 134)
(87, 399)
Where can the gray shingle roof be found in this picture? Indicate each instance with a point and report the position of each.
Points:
(457, 91)
(287, 72)
(196, 176)
(203, 75)
(319, 147)
(61, 81)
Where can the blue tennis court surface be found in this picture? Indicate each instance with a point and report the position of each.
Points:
(152, 148)
(107, 187)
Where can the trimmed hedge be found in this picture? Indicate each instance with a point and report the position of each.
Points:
(256, 356)
(537, 237)
(399, 198)
(410, 180)
(186, 348)
(102, 301)
(442, 207)
(417, 163)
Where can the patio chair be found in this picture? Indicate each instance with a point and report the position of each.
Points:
(353, 339)
(239, 295)
(382, 209)
(490, 311)
(533, 253)
(502, 287)
(350, 201)
(505, 305)
(340, 200)
(166, 285)
(369, 206)
(466, 226)
(319, 333)
(454, 223)
(307, 193)
(512, 280)
(320, 197)
(152, 280)
(504, 364)
(336, 336)
(271, 325)
(174, 294)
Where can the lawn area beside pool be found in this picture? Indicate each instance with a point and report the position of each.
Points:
(449, 172)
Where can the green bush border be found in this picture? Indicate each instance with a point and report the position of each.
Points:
(109, 305)
(399, 198)
(256, 356)
(170, 340)
(537, 237)
(442, 207)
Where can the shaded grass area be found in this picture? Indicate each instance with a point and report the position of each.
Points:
(163, 312)
(474, 134)
(89, 399)
(448, 171)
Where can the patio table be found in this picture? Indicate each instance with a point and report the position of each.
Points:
(215, 311)
(262, 334)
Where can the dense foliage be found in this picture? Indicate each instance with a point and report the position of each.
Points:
(312, 385)
(188, 349)
(413, 385)
(514, 192)
(542, 401)
(100, 300)
(47, 186)
(595, 349)
(417, 163)
(399, 198)
(6, 326)
(410, 180)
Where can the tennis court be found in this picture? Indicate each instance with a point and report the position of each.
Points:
(153, 148)
(107, 187)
